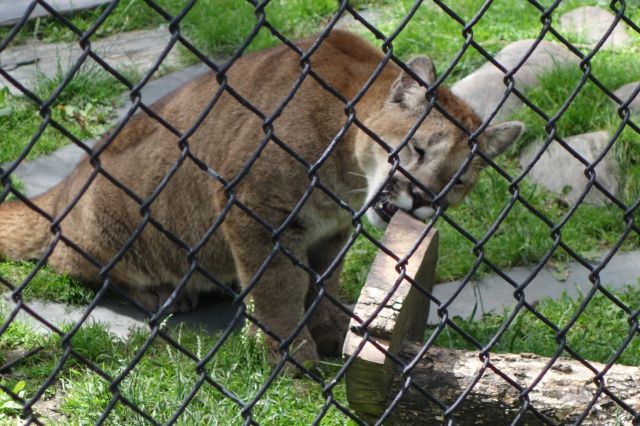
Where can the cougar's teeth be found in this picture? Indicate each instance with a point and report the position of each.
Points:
(385, 210)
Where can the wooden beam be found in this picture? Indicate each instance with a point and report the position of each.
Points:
(403, 316)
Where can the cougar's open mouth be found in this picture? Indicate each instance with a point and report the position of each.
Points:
(413, 203)
(385, 209)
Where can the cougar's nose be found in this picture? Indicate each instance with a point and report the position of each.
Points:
(420, 198)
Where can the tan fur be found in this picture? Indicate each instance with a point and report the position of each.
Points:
(24, 234)
(142, 154)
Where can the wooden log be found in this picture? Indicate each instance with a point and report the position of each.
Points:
(404, 315)
(374, 381)
(562, 395)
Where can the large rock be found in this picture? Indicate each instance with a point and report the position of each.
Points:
(375, 17)
(625, 93)
(558, 171)
(590, 24)
(484, 88)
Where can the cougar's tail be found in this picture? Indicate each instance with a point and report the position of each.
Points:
(24, 233)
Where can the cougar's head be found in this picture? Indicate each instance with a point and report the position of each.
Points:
(433, 155)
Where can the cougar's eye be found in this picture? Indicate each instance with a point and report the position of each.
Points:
(459, 182)
(418, 151)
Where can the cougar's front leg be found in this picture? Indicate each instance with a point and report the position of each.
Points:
(278, 290)
(328, 324)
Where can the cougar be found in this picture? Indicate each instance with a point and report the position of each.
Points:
(255, 195)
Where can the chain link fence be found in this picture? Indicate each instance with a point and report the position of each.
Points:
(269, 233)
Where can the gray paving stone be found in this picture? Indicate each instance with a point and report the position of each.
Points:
(490, 294)
(131, 50)
(13, 11)
(47, 171)
(120, 318)
(558, 171)
(484, 88)
(494, 294)
(590, 24)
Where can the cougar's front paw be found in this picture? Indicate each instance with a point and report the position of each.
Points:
(153, 298)
(328, 327)
(303, 350)
(186, 301)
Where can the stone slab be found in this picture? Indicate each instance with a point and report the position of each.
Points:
(375, 17)
(120, 317)
(136, 50)
(12, 11)
(490, 294)
(493, 294)
(47, 171)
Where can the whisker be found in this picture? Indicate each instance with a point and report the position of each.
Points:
(358, 174)
(358, 190)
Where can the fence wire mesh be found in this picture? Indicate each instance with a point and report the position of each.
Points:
(270, 236)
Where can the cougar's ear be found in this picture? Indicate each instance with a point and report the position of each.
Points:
(406, 90)
(498, 137)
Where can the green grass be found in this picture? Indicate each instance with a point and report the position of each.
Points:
(162, 379)
(596, 336)
(522, 239)
(128, 15)
(86, 108)
(165, 376)
(295, 19)
(46, 284)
